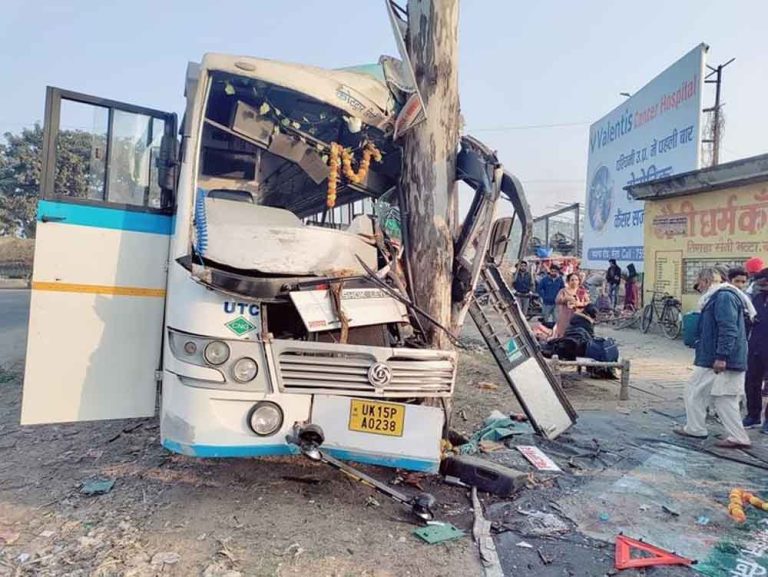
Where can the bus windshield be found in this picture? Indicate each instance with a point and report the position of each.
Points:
(268, 145)
(265, 207)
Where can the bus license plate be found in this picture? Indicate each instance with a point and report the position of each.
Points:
(377, 418)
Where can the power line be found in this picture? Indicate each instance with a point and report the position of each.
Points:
(554, 180)
(528, 126)
(481, 129)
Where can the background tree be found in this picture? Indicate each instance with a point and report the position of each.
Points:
(20, 160)
(79, 173)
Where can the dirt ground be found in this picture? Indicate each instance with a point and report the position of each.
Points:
(173, 515)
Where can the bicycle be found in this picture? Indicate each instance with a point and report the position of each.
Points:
(665, 310)
(619, 318)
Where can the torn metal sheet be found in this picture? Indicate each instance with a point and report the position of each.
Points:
(477, 166)
(414, 111)
(271, 240)
(361, 306)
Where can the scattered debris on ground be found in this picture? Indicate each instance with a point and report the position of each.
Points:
(106, 499)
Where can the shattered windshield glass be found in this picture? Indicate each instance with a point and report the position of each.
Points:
(267, 145)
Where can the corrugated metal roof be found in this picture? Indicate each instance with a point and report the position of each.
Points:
(737, 173)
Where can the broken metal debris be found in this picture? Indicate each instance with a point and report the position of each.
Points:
(309, 440)
(485, 475)
(481, 530)
(508, 336)
(455, 481)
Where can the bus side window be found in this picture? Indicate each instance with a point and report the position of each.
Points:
(131, 146)
(105, 152)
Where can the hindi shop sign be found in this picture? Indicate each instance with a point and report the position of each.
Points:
(655, 133)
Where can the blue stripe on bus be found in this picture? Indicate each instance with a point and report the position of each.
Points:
(210, 451)
(104, 217)
(229, 450)
(422, 465)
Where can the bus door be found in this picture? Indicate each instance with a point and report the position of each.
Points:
(104, 221)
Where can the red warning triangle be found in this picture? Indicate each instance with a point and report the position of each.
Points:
(624, 560)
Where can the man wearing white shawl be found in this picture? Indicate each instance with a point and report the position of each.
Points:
(720, 361)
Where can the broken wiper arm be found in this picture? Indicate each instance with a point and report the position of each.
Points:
(395, 295)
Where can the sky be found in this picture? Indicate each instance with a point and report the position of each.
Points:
(533, 75)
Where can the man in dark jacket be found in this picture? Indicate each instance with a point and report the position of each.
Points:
(720, 361)
(548, 287)
(757, 363)
(613, 278)
(523, 283)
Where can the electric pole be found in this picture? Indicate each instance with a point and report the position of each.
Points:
(715, 110)
(428, 179)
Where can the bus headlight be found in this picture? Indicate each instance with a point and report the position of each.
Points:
(216, 352)
(265, 418)
(244, 370)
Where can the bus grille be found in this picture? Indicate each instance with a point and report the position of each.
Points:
(413, 372)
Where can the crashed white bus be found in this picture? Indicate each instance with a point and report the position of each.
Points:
(255, 269)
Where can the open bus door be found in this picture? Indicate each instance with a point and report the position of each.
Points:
(98, 286)
(506, 331)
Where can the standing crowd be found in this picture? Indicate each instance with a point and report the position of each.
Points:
(731, 335)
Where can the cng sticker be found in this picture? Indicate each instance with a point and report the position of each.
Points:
(240, 326)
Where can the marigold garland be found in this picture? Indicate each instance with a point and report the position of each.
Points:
(333, 174)
(737, 498)
(346, 157)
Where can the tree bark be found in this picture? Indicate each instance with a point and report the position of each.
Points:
(428, 179)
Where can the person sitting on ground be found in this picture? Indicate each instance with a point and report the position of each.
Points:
(738, 277)
(568, 300)
(720, 361)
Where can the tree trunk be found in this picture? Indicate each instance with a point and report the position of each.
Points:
(428, 178)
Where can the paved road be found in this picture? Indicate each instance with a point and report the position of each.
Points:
(14, 315)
